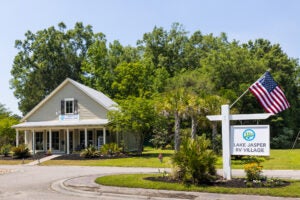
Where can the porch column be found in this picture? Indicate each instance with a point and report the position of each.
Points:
(85, 138)
(104, 135)
(33, 142)
(45, 140)
(94, 137)
(68, 141)
(73, 138)
(25, 137)
(17, 138)
(50, 140)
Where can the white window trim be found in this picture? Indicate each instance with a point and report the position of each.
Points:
(69, 99)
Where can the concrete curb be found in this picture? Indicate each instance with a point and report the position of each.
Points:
(84, 186)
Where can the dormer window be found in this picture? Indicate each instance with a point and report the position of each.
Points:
(69, 106)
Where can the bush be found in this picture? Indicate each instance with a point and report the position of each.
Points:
(21, 151)
(253, 171)
(195, 161)
(110, 149)
(90, 152)
(5, 149)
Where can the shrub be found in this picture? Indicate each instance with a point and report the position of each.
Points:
(5, 149)
(21, 151)
(90, 152)
(253, 171)
(110, 149)
(48, 153)
(194, 161)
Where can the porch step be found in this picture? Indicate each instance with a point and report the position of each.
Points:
(37, 162)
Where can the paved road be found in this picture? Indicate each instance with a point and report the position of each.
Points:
(65, 182)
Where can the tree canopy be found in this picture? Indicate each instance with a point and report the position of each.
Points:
(164, 63)
(45, 59)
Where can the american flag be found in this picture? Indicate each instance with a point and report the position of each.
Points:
(269, 94)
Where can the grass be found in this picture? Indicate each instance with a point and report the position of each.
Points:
(138, 181)
(278, 159)
(14, 162)
(149, 158)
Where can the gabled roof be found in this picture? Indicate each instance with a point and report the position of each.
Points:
(97, 96)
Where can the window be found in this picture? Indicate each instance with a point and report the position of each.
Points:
(69, 106)
(39, 141)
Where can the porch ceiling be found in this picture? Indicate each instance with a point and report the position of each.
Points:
(66, 123)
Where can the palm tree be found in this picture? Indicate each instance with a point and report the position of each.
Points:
(213, 104)
(195, 109)
(173, 103)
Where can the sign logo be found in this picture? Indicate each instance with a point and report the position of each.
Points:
(249, 135)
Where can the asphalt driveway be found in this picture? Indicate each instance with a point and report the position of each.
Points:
(74, 182)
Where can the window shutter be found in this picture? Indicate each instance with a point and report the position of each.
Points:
(75, 106)
(62, 107)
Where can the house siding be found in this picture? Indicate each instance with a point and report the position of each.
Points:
(87, 107)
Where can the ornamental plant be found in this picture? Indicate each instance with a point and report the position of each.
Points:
(21, 151)
(253, 171)
(195, 161)
(110, 149)
(90, 152)
(5, 149)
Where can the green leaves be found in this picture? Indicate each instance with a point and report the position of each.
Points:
(195, 161)
(45, 59)
(168, 64)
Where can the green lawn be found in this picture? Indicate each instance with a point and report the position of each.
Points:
(137, 181)
(148, 159)
(279, 159)
(14, 162)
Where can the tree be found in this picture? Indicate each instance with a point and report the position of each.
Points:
(45, 59)
(101, 62)
(213, 106)
(196, 108)
(7, 134)
(165, 49)
(132, 79)
(136, 115)
(3, 110)
(173, 103)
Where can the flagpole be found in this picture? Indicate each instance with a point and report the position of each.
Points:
(239, 98)
(246, 91)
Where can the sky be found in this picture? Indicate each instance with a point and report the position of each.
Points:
(127, 20)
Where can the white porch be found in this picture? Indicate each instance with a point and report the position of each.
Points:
(62, 137)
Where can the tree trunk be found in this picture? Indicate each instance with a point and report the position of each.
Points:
(140, 140)
(194, 127)
(177, 132)
(214, 134)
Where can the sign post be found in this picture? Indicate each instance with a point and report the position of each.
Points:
(226, 142)
(225, 117)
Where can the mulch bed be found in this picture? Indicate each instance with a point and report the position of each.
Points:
(76, 156)
(234, 183)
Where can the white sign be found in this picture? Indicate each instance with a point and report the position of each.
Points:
(252, 140)
(68, 117)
